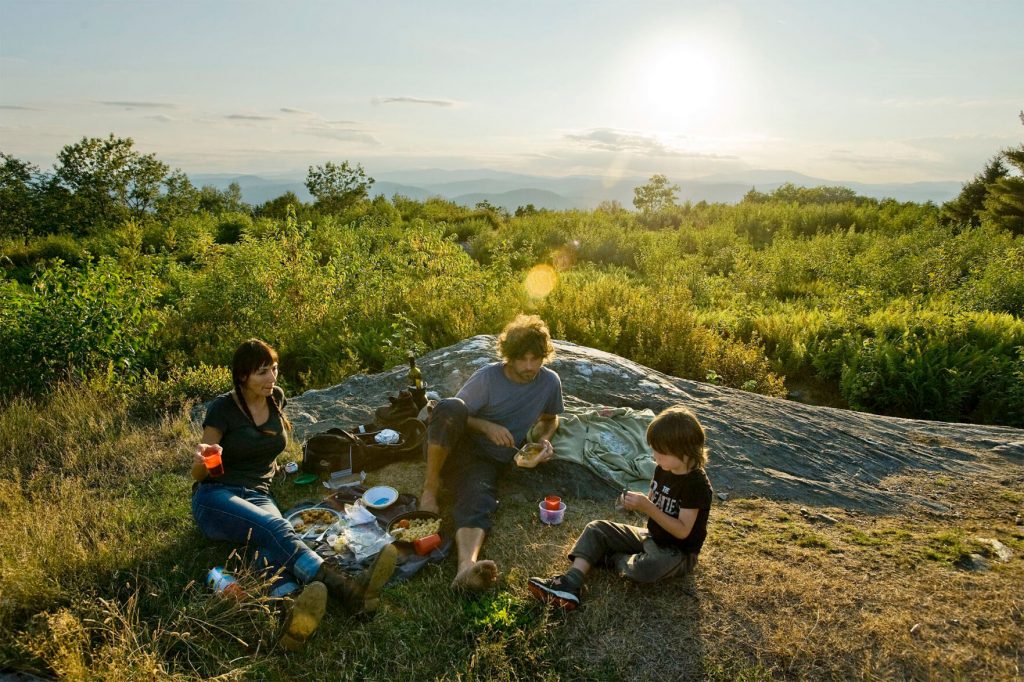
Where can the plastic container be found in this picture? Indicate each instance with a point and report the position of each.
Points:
(223, 583)
(553, 502)
(552, 517)
(212, 458)
(427, 544)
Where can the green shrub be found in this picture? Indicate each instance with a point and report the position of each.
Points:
(76, 323)
(152, 395)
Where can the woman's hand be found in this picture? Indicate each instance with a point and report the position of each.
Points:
(197, 458)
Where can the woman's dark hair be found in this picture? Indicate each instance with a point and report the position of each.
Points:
(526, 334)
(676, 431)
(251, 356)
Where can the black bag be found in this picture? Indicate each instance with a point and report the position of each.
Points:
(412, 433)
(334, 451)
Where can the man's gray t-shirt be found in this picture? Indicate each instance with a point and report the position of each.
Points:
(491, 395)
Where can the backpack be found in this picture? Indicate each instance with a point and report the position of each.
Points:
(334, 451)
(340, 452)
(412, 433)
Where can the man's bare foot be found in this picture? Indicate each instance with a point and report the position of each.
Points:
(477, 577)
(428, 502)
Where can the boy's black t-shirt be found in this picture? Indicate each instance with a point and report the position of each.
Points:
(248, 454)
(672, 492)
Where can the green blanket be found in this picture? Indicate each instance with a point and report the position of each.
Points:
(609, 441)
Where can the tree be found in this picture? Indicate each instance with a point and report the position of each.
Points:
(18, 196)
(656, 195)
(109, 180)
(278, 208)
(215, 201)
(180, 199)
(1004, 204)
(967, 207)
(338, 187)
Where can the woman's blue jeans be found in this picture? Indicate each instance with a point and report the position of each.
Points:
(246, 516)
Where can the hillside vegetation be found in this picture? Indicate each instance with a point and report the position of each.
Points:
(125, 289)
(116, 269)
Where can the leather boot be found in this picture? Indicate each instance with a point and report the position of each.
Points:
(362, 593)
(304, 616)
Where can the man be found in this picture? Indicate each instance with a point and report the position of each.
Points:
(481, 428)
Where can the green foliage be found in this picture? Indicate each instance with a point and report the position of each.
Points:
(151, 395)
(656, 195)
(75, 323)
(109, 180)
(336, 187)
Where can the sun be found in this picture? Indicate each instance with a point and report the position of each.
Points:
(680, 84)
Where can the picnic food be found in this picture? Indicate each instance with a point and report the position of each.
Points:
(312, 517)
(418, 528)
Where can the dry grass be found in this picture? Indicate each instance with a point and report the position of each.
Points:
(106, 583)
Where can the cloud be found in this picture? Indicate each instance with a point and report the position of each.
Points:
(945, 101)
(16, 107)
(297, 112)
(163, 118)
(342, 134)
(139, 105)
(620, 141)
(414, 100)
(249, 117)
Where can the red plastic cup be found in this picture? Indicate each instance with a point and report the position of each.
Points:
(211, 455)
(426, 545)
(552, 502)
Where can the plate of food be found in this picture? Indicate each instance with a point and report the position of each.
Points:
(412, 526)
(313, 519)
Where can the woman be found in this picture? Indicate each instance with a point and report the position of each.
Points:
(249, 425)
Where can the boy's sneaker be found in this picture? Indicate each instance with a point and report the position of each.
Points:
(555, 591)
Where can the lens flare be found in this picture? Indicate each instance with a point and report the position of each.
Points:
(540, 281)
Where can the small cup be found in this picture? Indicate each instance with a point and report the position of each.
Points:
(552, 517)
(212, 458)
(553, 502)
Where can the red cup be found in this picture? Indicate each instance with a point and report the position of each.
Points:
(552, 502)
(427, 544)
(211, 456)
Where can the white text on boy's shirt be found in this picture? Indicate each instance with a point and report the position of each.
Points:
(662, 501)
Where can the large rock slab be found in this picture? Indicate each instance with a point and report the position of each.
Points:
(759, 446)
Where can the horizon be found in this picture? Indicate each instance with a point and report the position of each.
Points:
(868, 94)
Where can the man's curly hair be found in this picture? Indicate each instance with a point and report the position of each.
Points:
(526, 334)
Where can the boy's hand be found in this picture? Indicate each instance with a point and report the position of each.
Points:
(636, 502)
(498, 434)
(547, 453)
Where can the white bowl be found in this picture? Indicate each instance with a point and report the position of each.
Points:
(380, 496)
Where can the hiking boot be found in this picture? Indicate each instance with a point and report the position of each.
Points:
(401, 408)
(555, 591)
(304, 616)
(360, 594)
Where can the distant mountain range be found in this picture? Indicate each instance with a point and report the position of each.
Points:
(511, 190)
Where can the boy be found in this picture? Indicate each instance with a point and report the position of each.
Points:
(677, 509)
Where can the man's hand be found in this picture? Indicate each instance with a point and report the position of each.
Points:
(547, 453)
(497, 434)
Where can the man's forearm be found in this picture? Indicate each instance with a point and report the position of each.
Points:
(546, 428)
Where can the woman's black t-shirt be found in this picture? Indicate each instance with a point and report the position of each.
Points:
(249, 453)
(672, 492)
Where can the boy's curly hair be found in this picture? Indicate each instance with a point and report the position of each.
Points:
(676, 431)
(526, 334)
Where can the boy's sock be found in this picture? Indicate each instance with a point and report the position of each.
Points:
(573, 578)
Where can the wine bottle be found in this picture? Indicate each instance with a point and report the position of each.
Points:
(415, 376)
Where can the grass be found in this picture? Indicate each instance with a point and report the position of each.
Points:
(101, 578)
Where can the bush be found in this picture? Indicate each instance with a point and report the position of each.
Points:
(76, 323)
(152, 396)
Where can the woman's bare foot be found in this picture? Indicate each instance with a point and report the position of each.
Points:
(477, 577)
(428, 502)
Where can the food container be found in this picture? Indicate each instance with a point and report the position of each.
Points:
(552, 517)
(409, 516)
(380, 497)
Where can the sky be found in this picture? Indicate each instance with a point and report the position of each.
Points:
(869, 91)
